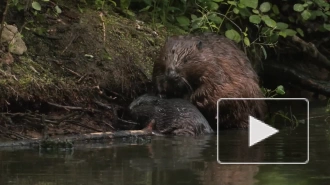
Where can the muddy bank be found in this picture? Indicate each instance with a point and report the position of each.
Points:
(74, 60)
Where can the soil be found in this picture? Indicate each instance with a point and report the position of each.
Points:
(80, 71)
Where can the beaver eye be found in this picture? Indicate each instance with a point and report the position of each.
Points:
(173, 51)
(185, 60)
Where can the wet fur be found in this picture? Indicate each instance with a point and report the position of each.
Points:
(171, 116)
(214, 68)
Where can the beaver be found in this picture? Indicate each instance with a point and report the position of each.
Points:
(169, 116)
(203, 68)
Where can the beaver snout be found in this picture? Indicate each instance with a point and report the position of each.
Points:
(171, 74)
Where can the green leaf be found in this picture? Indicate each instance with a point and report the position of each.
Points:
(255, 19)
(298, 7)
(290, 32)
(250, 3)
(129, 12)
(280, 90)
(215, 18)
(326, 26)
(269, 22)
(281, 25)
(145, 9)
(265, 7)
(217, 1)
(232, 3)
(240, 5)
(309, 2)
(306, 15)
(233, 35)
(183, 21)
(58, 9)
(305, 5)
(196, 24)
(193, 17)
(213, 6)
(301, 32)
(46, 0)
(236, 10)
(247, 41)
(255, 11)
(36, 6)
(318, 13)
(275, 9)
(282, 33)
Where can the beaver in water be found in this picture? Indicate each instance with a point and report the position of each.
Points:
(204, 68)
(169, 116)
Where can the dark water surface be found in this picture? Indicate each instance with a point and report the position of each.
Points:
(161, 160)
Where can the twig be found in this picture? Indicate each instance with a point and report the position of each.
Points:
(109, 125)
(81, 78)
(5, 74)
(103, 28)
(72, 107)
(126, 121)
(73, 72)
(103, 105)
(69, 44)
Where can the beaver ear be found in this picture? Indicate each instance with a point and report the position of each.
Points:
(199, 45)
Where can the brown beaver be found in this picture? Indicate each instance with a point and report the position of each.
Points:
(169, 116)
(204, 68)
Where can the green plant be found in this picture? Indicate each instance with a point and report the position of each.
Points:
(272, 93)
(250, 22)
(36, 5)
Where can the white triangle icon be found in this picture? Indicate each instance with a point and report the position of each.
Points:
(259, 131)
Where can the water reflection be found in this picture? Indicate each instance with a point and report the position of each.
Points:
(162, 160)
(179, 160)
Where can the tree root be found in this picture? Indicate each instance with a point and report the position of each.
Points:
(312, 51)
(298, 78)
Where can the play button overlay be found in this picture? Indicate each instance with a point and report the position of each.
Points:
(259, 131)
(282, 137)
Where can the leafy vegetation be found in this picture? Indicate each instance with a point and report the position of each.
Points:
(254, 23)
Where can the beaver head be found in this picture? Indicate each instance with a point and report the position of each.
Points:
(183, 64)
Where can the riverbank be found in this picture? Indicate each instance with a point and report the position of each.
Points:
(81, 68)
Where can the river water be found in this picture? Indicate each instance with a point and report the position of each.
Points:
(164, 161)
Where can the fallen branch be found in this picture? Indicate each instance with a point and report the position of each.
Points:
(298, 78)
(91, 136)
(311, 49)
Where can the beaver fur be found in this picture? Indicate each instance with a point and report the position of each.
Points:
(204, 68)
(170, 116)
